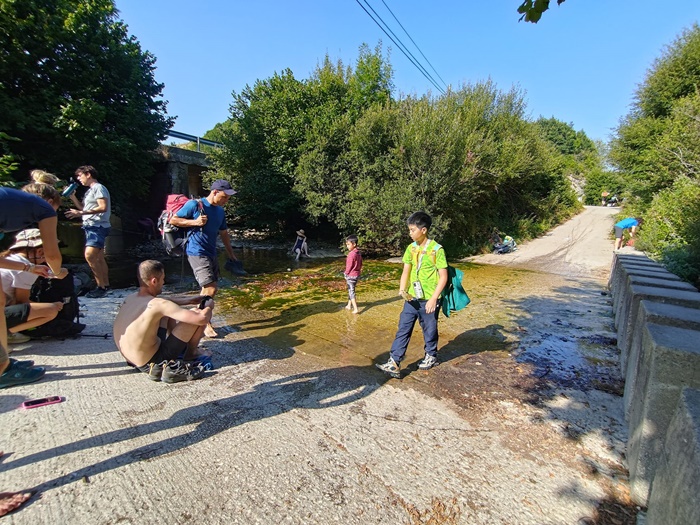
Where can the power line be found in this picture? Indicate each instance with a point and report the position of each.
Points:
(414, 43)
(400, 46)
(403, 48)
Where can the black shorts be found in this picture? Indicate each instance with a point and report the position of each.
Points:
(171, 348)
(16, 314)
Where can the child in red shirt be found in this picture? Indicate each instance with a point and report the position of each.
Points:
(353, 268)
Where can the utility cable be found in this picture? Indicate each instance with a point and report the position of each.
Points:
(404, 49)
(414, 43)
(406, 53)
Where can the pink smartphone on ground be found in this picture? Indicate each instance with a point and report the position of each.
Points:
(34, 403)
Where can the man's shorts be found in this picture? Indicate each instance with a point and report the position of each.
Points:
(206, 269)
(618, 232)
(95, 236)
(16, 314)
(170, 349)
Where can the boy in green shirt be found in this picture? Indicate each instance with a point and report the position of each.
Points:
(422, 281)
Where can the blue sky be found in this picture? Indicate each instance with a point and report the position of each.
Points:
(581, 63)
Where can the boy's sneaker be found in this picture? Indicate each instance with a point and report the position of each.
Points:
(155, 370)
(428, 362)
(391, 368)
(178, 371)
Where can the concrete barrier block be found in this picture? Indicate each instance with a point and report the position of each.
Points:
(634, 275)
(671, 362)
(628, 305)
(675, 490)
(660, 314)
(620, 259)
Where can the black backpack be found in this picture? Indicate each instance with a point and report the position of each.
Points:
(51, 291)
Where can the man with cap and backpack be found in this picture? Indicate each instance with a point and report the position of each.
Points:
(207, 219)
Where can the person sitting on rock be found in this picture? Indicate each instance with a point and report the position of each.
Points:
(158, 336)
(20, 313)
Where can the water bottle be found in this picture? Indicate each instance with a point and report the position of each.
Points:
(70, 189)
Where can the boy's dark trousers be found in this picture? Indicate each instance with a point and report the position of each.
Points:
(412, 311)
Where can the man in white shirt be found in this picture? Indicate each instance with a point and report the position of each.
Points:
(95, 211)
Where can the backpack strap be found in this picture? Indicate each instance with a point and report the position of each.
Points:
(431, 250)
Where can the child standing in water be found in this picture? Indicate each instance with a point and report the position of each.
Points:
(353, 268)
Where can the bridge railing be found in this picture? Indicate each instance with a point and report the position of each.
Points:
(194, 138)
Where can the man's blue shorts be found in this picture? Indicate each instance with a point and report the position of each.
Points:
(95, 236)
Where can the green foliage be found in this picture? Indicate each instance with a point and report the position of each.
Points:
(599, 181)
(7, 161)
(671, 229)
(531, 10)
(336, 149)
(658, 152)
(582, 160)
(659, 141)
(76, 89)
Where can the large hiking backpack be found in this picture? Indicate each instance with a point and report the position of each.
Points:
(174, 238)
(52, 291)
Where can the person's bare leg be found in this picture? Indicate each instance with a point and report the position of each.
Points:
(209, 290)
(95, 258)
(4, 353)
(10, 501)
(618, 243)
(354, 306)
(39, 313)
(193, 335)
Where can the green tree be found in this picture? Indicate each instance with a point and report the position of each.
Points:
(654, 139)
(531, 10)
(76, 89)
(261, 149)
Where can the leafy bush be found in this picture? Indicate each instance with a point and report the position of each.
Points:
(671, 229)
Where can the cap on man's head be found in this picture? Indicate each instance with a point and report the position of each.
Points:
(29, 238)
(223, 185)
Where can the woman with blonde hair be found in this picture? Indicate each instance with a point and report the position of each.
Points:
(44, 177)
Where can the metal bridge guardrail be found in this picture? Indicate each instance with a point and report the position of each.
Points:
(193, 138)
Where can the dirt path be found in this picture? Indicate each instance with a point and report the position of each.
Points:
(581, 247)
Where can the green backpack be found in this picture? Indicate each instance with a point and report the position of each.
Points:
(454, 298)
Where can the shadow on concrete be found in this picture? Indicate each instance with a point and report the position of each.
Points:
(312, 390)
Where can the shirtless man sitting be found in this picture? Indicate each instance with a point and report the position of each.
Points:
(152, 333)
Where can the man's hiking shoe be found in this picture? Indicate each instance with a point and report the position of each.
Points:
(155, 370)
(178, 371)
(16, 375)
(428, 362)
(391, 368)
(97, 293)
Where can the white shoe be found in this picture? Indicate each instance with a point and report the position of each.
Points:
(17, 338)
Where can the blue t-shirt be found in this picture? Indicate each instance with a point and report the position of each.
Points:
(202, 240)
(627, 223)
(20, 210)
